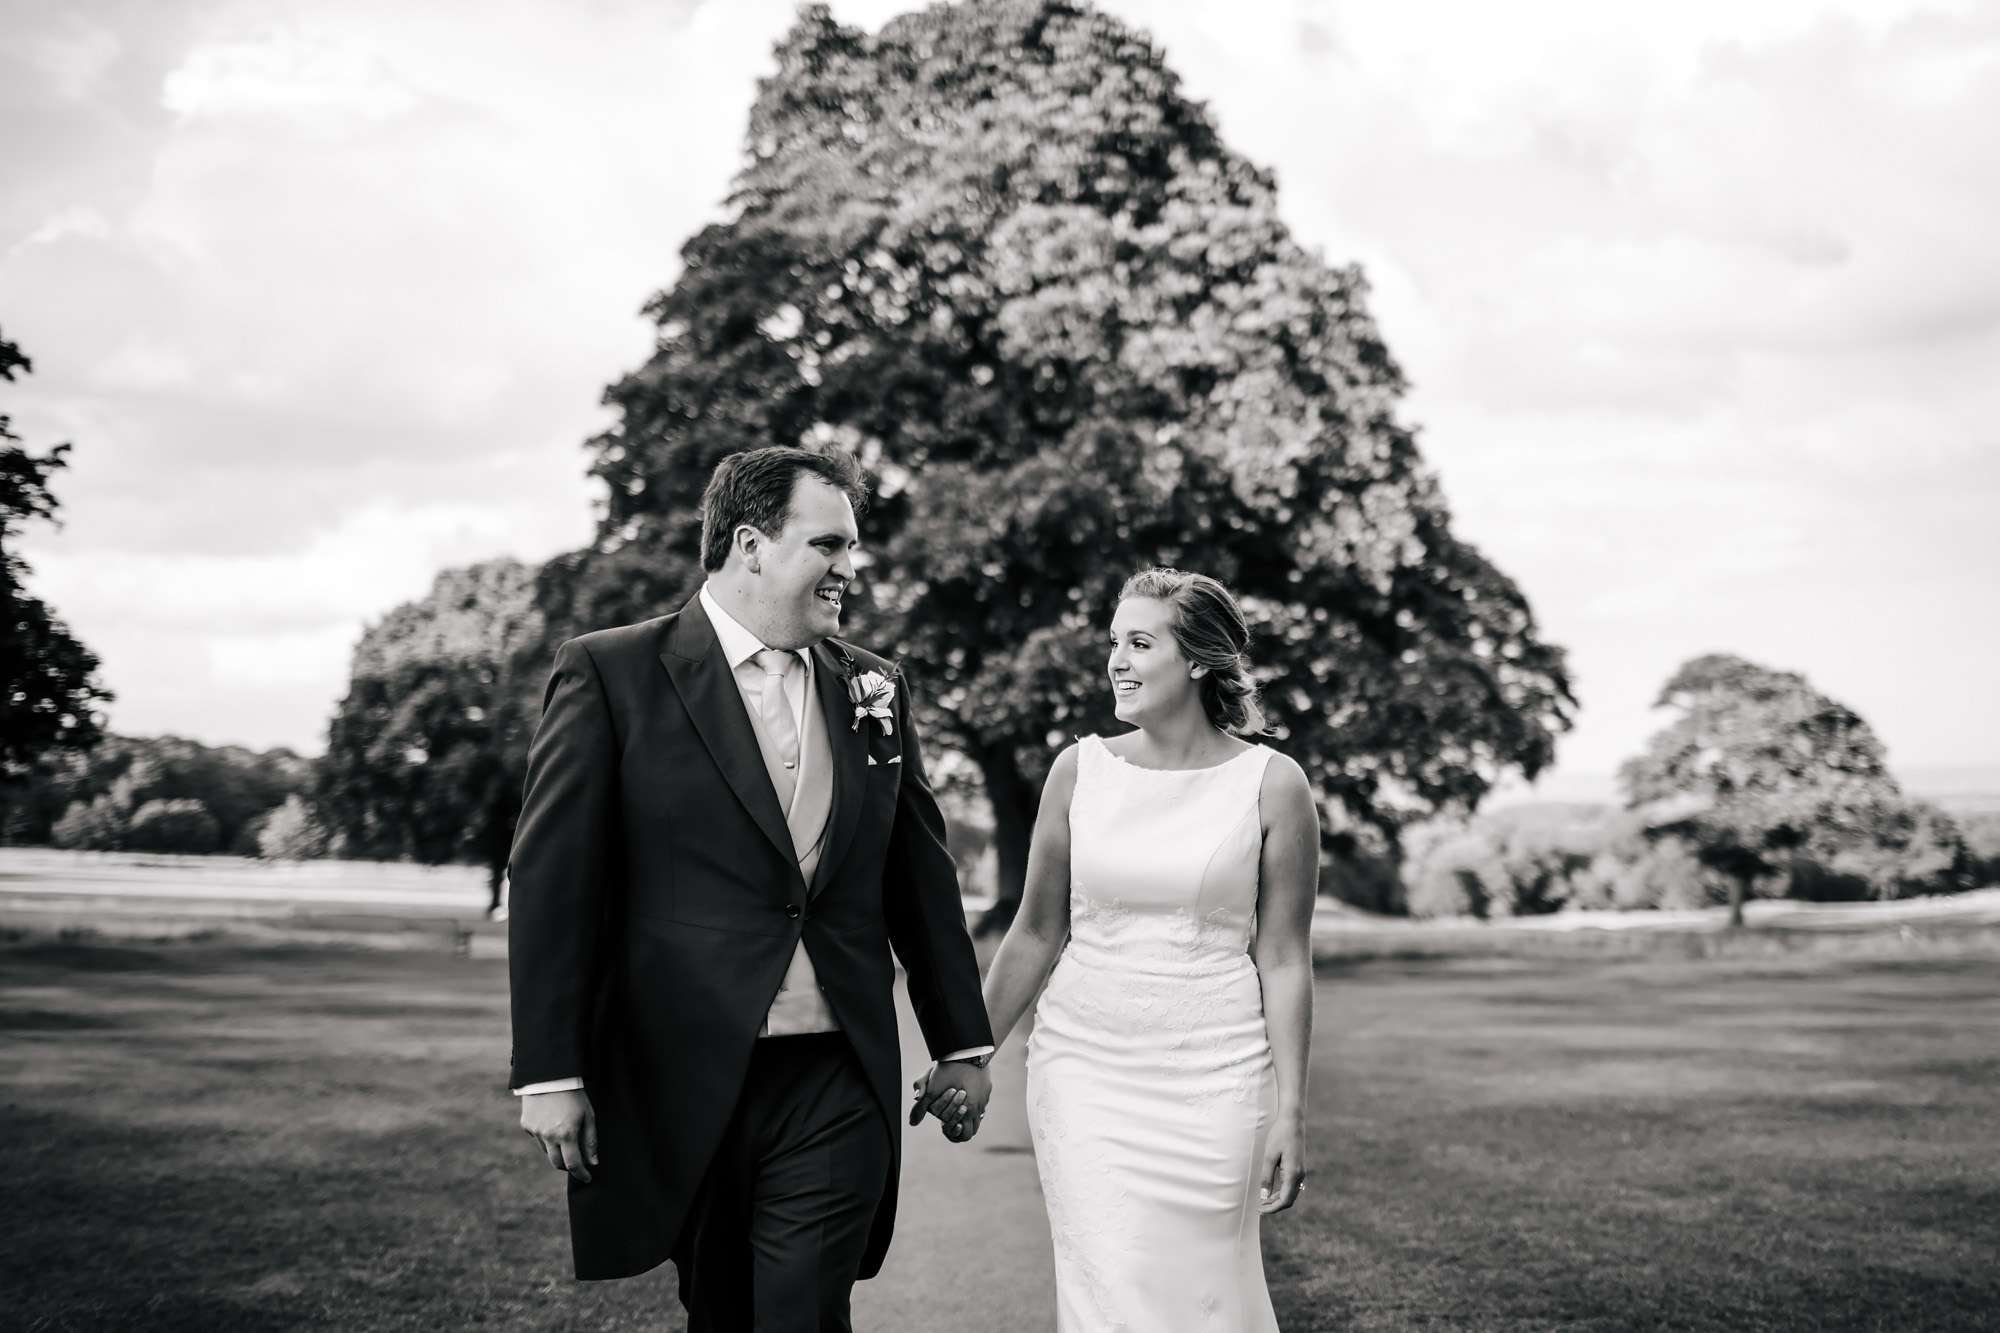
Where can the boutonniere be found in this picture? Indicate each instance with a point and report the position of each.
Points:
(873, 694)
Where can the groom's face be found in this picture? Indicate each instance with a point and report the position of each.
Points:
(803, 571)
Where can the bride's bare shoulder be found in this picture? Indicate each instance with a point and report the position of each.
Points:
(1285, 791)
(1060, 784)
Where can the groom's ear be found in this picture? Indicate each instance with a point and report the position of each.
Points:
(750, 545)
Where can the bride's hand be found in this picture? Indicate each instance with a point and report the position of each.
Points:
(1284, 1165)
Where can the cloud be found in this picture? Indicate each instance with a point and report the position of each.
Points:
(72, 55)
(187, 639)
(76, 221)
(317, 82)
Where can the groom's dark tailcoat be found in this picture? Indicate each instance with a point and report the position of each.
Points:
(656, 900)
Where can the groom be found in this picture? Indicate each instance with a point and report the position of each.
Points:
(727, 827)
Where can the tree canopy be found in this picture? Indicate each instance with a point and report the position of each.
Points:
(998, 254)
(1762, 775)
(49, 690)
(424, 754)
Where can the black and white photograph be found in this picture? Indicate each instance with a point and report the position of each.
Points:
(1000, 666)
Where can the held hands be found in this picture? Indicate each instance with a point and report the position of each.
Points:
(1284, 1165)
(956, 1092)
(565, 1127)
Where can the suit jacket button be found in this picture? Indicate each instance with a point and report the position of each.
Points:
(793, 911)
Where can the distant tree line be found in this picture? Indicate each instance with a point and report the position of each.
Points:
(164, 794)
(1758, 787)
(417, 769)
(1531, 859)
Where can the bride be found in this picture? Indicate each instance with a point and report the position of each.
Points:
(1168, 907)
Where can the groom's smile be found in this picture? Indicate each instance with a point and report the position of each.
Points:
(824, 616)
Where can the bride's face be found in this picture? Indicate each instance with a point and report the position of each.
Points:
(1149, 677)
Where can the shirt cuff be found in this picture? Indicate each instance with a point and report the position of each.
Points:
(553, 1085)
(969, 1053)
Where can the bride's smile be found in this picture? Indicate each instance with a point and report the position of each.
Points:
(1149, 676)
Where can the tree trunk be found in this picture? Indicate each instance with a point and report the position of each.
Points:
(1739, 889)
(1013, 826)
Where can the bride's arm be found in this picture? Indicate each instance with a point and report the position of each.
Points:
(1036, 937)
(1287, 883)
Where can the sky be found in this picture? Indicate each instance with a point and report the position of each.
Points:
(1700, 306)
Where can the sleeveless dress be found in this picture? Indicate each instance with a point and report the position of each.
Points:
(1150, 1084)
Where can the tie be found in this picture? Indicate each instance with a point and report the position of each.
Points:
(775, 715)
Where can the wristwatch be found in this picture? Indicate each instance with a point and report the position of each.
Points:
(976, 1061)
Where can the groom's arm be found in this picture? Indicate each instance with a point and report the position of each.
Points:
(925, 912)
(561, 863)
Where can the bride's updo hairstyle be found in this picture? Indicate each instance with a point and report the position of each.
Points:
(1211, 632)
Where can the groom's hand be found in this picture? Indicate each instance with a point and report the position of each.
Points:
(565, 1126)
(956, 1092)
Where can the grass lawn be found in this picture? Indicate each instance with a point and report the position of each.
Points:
(1508, 1144)
(208, 1136)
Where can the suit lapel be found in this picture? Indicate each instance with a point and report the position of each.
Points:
(850, 759)
(715, 704)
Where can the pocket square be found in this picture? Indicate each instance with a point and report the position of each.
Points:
(894, 759)
(871, 761)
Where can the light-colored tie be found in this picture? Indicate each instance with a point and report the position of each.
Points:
(781, 729)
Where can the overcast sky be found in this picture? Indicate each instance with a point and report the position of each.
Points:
(1702, 309)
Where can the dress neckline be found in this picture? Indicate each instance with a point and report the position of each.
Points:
(1141, 768)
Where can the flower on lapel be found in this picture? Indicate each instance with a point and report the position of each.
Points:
(873, 694)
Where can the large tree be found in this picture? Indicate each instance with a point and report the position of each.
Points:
(49, 691)
(1763, 776)
(995, 252)
(424, 753)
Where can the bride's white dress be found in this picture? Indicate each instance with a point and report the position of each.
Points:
(1150, 1086)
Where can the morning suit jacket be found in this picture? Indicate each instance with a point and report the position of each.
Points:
(656, 900)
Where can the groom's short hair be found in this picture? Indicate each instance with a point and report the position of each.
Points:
(755, 487)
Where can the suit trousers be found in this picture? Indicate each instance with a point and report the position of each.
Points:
(776, 1235)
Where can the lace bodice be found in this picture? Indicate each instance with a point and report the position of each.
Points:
(1163, 863)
